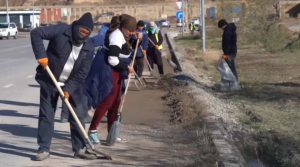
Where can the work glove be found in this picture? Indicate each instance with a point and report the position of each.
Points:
(156, 46)
(67, 95)
(144, 52)
(225, 57)
(43, 62)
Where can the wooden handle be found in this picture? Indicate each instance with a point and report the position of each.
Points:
(146, 60)
(127, 85)
(67, 102)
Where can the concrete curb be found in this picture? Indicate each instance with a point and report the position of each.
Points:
(172, 52)
(229, 155)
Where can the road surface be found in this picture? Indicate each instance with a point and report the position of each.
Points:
(19, 105)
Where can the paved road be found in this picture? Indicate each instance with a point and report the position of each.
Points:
(19, 102)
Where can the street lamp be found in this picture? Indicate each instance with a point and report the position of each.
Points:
(203, 24)
(33, 13)
(7, 15)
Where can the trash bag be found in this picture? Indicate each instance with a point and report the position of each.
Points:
(228, 80)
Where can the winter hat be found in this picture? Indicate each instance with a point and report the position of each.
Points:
(86, 21)
(128, 22)
(140, 24)
(222, 23)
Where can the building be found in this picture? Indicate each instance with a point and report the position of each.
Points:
(22, 17)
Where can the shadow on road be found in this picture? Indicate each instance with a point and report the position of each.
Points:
(13, 113)
(34, 86)
(25, 152)
(16, 103)
(26, 131)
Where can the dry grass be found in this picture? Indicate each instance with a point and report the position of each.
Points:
(271, 92)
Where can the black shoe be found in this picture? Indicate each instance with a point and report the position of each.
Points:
(42, 155)
(84, 154)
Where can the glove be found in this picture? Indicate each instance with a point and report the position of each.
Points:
(144, 52)
(43, 62)
(67, 96)
(225, 57)
(156, 46)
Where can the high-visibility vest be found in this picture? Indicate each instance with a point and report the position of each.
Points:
(157, 39)
(192, 26)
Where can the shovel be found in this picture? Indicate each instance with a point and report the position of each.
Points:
(172, 64)
(151, 70)
(75, 116)
(141, 81)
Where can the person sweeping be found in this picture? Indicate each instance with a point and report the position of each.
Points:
(69, 56)
(109, 70)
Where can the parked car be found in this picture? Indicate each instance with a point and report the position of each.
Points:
(158, 24)
(44, 25)
(165, 23)
(27, 28)
(179, 23)
(8, 30)
(196, 21)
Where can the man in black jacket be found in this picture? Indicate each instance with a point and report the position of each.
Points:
(69, 56)
(229, 43)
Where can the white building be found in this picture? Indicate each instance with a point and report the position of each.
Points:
(22, 17)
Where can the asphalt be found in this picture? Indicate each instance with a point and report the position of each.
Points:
(19, 105)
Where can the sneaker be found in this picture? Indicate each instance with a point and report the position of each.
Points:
(63, 120)
(42, 155)
(121, 140)
(94, 137)
(84, 154)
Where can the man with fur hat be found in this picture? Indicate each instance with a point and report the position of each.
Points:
(69, 56)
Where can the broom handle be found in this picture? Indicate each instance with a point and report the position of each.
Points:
(67, 102)
(147, 59)
(127, 85)
(157, 49)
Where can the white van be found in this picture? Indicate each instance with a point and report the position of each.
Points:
(8, 30)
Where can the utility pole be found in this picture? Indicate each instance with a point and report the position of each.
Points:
(7, 15)
(183, 17)
(33, 20)
(203, 25)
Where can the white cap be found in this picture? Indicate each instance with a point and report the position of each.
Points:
(152, 24)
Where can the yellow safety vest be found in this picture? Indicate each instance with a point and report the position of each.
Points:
(160, 47)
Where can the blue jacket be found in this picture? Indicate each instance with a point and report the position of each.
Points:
(98, 84)
(144, 44)
(98, 40)
(58, 51)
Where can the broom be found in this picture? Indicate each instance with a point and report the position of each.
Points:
(115, 129)
(172, 64)
(75, 116)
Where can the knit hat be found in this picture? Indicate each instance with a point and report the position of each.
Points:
(222, 23)
(140, 24)
(128, 22)
(86, 21)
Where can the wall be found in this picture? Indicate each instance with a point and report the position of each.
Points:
(50, 15)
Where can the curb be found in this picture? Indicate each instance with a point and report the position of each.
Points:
(229, 155)
(173, 54)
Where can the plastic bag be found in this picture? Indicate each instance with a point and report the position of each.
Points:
(228, 79)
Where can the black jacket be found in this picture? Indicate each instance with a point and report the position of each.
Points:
(229, 39)
(58, 51)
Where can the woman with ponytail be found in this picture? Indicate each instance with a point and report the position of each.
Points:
(109, 70)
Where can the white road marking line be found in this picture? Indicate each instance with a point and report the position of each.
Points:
(7, 86)
(30, 76)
